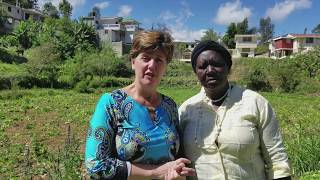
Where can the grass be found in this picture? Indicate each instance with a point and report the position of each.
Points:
(42, 131)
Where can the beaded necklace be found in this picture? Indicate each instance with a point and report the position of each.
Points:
(222, 97)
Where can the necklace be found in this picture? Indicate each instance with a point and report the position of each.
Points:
(222, 97)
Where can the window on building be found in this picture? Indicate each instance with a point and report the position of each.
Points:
(9, 9)
(245, 49)
(247, 39)
(18, 11)
(192, 45)
(27, 16)
(309, 40)
(187, 45)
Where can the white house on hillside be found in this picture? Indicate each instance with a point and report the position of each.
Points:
(116, 30)
(245, 45)
(292, 43)
(186, 49)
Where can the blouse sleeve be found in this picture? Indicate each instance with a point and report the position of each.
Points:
(275, 157)
(100, 158)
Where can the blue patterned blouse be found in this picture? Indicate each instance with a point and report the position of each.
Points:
(121, 130)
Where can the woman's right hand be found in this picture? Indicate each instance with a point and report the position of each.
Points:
(174, 170)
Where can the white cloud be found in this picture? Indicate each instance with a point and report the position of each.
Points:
(167, 15)
(175, 22)
(102, 5)
(185, 34)
(231, 12)
(74, 3)
(124, 11)
(282, 10)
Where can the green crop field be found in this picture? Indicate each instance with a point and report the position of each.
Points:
(42, 131)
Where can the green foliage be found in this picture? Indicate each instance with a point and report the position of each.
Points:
(210, 34)
(266, 29)
(316, 29)
(309, 62)
(85, 36)
(262, 48)
(11, 56)
(50, 10)
(86, 66)
(59, 156)
(44, 64)
(228, 38)
(26, 33)
(9, 41)
(179, 69)
(287, 75)
(2, 19)
(242, 27)
(65, 9)
(257, 80)
(179, 48)
(5, 83)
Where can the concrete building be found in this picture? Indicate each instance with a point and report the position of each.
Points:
(14, 14)
(289, 44)
(183, 50)
(245, 45)
(118, 31)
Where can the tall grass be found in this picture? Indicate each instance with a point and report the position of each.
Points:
(36, 141)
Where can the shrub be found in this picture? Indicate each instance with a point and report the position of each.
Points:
(83, 87)
(286, 74)
(11, 57)
(44, 64)
(257, 80)
(5, 83)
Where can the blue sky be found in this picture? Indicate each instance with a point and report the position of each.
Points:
(188, 19)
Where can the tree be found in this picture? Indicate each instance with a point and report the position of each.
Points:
(44, 64)
(50, 10)
(210, 34)
(179, 48)
(160, 27)
(228, 38)
(95, 12)
(309, 62)
(253, 30)
(65, 8)
(316, 29)
(26, 33)
(242, 27)
(266, 29)
(84, 36)
(2, 19)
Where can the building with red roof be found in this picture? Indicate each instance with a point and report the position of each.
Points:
(289, 44)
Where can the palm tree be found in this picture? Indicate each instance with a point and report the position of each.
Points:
(210, 34)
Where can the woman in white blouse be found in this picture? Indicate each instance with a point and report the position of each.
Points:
(229, 132)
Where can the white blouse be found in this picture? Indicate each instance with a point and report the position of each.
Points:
(241, 140)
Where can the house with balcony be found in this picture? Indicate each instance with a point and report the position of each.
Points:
(245, 45)
(118, 31)
(183, 50)
(14, 14)
(289, 44)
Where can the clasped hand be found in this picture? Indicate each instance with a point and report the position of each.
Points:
(175, 170)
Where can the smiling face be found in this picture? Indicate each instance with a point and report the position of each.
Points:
(212, 70)
(149, 67)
